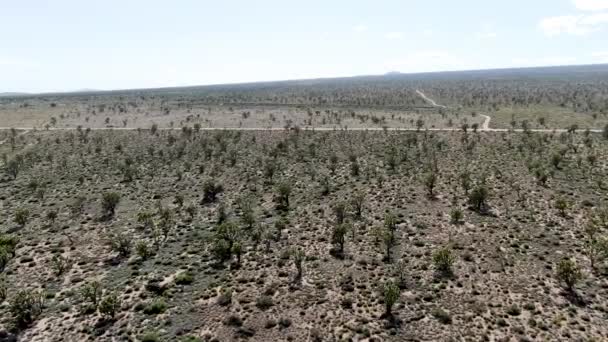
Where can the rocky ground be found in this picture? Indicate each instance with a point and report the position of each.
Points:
(210, 229)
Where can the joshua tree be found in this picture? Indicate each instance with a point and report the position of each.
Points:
(430, 180)
(357, 204)
(282, 196)
(390, 292)
(298, 258)
(478, 198)
(388, 239)
(568, 273)
(109, 202)
(340, 211)
(339, 236)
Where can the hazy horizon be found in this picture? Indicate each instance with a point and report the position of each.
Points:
(68, 45)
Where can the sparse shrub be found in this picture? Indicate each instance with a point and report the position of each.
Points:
(155, 307)
(390, 292)
(91, 292)
(12, 168)
(60, 264)
(225, 297)
(282, 196)
(121, 243)
(561, 205)
(149, 336)
(596, 249)
(142, 249)
(109, 202)
(109, 305)
(443, 260)
(210, 191)
(442, 316)
(264, 302)
(478, 198)
(51, 216)
(568, 272)
(430, 181)
(26, 306)
(21, 216)
(456, 216)
(184, 278)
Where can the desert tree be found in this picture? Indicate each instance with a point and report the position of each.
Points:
(338, 237)
(568, 273)
(390, 294)
(210, 191)
(478, 198)
(430, 181)
(109, 202)
(357, 202)
(91, 292)
(26, 306)
(283, 191)
(388, 240)
(298, 257)
(340, 212)
(109, 305)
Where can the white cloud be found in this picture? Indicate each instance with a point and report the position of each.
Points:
(360, 28)
(573, 24)
(394, 35)
(591, 5)
(600, 57)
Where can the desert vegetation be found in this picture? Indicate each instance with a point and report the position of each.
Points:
(290, 234)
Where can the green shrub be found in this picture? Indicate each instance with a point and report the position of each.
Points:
(142, 249)
(26, 306)
(150, 336)
(155, 307)
(21, 216)
(109, 305)
(60, 264)
(184, 278)
(390, 292)
(478, 198)
(91, 292)
(568, 273)
(443, 260)
(121, 243)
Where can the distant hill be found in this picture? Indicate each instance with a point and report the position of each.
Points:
(11, 94)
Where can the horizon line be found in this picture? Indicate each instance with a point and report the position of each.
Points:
(322, 78)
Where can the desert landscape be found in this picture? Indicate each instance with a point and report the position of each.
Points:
(457, 206)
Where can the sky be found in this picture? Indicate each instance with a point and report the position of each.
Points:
(67, 45)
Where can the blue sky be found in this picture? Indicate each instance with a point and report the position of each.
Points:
(62, 45)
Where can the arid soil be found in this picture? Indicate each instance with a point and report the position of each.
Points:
(278, 197)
